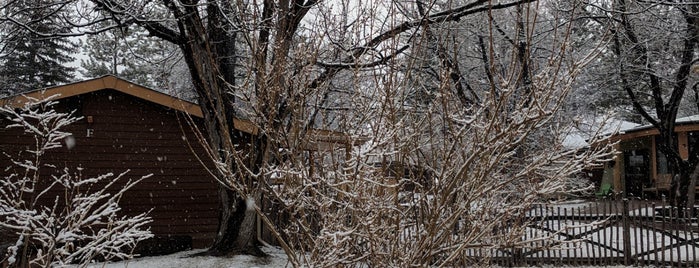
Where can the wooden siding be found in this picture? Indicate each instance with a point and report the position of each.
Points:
(132, 134)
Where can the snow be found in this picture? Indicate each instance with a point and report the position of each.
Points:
(70, 142)
(250, 203)
(688, 119)
(184, 259)
(624, 126)
(597, 126)
(276, 258)
(575, 140)
(631, 127)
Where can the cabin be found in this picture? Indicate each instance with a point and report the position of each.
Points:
(639, 168)
(126, 126)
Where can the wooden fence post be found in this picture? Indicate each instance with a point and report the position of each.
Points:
(626, 233)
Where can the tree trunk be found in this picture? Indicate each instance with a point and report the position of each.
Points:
(691, 191)
(236, 231)
(211, 65)
(681, 195)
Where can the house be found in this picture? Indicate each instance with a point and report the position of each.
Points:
(639, 167)
(126, 126)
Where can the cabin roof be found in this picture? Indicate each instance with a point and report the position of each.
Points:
(687, 120)
(102, 83)
(114, 83)
(110, 82)
(682, 124)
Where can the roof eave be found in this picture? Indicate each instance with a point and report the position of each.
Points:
(101, 83)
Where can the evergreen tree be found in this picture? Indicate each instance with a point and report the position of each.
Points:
(137, 57)
(29, 60)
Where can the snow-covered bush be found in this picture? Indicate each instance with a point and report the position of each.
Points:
(54, 215)
(488, 158)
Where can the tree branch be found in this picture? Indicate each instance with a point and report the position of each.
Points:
(454, 14)
(624, 79)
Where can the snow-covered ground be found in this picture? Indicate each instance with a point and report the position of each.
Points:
(652, 244)
(183, 259)
(276, 259)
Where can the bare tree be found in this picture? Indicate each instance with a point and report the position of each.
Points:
(445, 171)
(653, 46)
(294, 66)
(79, 226)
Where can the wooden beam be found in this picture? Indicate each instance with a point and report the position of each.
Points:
(618, 168)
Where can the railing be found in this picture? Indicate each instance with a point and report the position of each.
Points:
(597, 233)
(608, 233)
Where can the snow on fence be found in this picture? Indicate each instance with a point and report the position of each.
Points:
(596, 233)
(605, 233)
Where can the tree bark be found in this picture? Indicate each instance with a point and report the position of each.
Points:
(211, 65)
(236, 232)
(679, 188)
(691, 191)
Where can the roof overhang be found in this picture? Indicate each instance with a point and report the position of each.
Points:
(110, 82)
(102, 83)
(114, 83)
(681, 125)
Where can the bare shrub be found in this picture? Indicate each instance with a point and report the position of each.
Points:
(82, 223)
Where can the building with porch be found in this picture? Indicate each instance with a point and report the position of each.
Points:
(639, 168)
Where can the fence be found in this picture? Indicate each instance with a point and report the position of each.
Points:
(597, 233)
(606, 233)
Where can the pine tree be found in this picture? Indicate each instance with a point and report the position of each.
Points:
(137, 57)
(29, 60)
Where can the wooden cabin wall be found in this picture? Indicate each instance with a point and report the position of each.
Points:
(119, 133)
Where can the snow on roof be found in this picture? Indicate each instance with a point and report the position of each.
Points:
(574, 141)
(623, 126)
(595, 126)
(103, 83)
(679, 121)
(688, 119)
